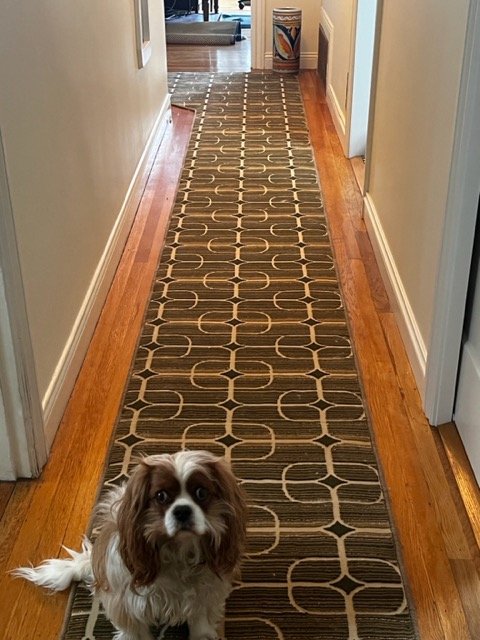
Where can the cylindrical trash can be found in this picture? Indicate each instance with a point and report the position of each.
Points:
(287, 25)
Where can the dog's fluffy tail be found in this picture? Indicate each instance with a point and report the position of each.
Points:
(58, 574)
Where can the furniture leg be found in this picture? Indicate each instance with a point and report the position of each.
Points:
(206, 11)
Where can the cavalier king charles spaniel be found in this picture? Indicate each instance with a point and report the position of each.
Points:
(169, 544)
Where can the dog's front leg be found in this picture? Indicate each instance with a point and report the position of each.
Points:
(200, 628)
(126, 614)
(141, 632)
(128, 628)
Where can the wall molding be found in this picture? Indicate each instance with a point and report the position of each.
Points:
(326, 23)
(409, 330)
(70, 362)
(333, 103)
(337, 114)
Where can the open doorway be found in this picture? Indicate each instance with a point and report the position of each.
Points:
(360, 85)
(467, 409)
(190, 55)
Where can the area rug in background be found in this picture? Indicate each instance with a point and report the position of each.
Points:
(243, 19)
(245, 351)
(202, 33)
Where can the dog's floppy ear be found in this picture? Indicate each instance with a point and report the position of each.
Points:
(224, 558)
(139, 556)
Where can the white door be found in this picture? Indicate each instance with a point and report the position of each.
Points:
(467, 401)
(441, 375)
(361, 76)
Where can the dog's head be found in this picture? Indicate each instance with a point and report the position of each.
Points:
(190, 493)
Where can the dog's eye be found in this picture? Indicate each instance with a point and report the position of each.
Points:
(201, 494)
(162, 497)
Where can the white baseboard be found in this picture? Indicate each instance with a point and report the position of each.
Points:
(338, 116)
(412, 339)
(308, 60)
(333, 103)
(63, 379)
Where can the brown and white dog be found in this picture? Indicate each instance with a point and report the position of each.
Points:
(169, 544)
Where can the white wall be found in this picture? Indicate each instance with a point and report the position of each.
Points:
(76, 114)
(337, 22)
(418, 78)
(309, 34)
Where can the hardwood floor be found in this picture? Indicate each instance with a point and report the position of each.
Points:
(181, 57)
(358, 166)
(438, 545)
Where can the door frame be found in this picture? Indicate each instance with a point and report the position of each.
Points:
(459, 229)
(258, 12)
(23, 452)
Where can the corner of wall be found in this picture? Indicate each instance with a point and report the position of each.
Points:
(409, 330)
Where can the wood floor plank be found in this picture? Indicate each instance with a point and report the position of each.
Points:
(464, 476)
(468, 587)
(358, 166)
(425, 557)
(219, 59)
(456, 543)
(13, 518)
(6, 491)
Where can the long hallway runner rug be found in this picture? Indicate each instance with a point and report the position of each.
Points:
(245, 351)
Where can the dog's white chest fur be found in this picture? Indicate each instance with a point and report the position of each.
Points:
(184, 587)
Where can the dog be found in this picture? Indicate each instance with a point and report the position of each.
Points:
(169, 545)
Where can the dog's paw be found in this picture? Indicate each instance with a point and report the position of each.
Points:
(201, 629)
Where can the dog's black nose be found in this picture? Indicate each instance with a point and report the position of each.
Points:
(182, 513)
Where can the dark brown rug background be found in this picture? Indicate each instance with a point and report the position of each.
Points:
(245, 352)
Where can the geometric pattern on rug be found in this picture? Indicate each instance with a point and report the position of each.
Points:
(245, 351)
